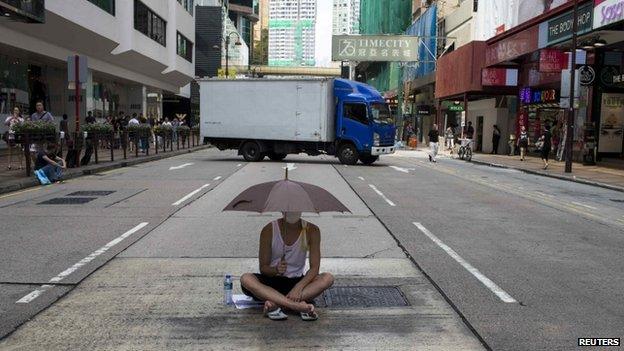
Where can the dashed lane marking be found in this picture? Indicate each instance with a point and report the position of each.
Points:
(188, 196)
(497, 290)
(382, 195)
(180, 166)
(217, 178)
(64, 274)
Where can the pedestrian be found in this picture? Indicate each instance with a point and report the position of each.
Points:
(175, 124)
(64, 127)
(523, 142)
(512, 144)
(41, 114)
(545, 141)
(281, 283)
(496, 136)
(14, 119)
(434, 137)
(469, 133)
(49, 165)
(450, 138)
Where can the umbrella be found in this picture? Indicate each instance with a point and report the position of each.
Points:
(286, 196)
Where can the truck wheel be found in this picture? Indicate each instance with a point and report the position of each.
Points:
(348, 154)
(368, 159)
(276, 157)
(251, 152)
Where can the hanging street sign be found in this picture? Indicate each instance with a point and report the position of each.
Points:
(375, 48)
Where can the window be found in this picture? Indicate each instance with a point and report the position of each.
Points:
(356, 112)
(106, 5)
(149, 23)
(185, 48)
(188, 5)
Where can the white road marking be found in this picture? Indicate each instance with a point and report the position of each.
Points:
(217, 178)
(180, 166)
(401, 169)
(190, 195)
(382, 195)
(290, 166)
(64, 274)
(544, 194)
(35, 294)
(587, 206)
(361, 178)
(238, 165)
(502, 294)
(96, 253)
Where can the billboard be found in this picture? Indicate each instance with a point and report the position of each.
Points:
(375, 48)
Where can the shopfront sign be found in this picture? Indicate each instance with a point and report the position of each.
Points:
(521, 43)
(560, 28)
(607, 12)
(611, 123)
(587, 75)
(423, 110)
(499, 77)
(455, 106)
(375, 48)
(552, 60)
(534, 96)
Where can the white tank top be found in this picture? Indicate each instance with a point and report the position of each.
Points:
(295, 254)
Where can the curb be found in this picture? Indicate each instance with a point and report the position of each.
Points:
(28, 182)
(556, 176)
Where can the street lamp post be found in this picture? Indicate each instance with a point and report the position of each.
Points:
(227, 51)
(570, 116)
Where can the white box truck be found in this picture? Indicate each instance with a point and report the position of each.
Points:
(276, 117)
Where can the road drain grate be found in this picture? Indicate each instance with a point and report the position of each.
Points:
(362, 296)
(67, 201)
(92, 193)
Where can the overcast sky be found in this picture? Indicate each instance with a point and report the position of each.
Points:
(324, 17)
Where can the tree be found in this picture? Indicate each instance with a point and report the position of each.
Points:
(261, 49)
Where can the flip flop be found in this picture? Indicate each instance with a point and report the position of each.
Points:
(276, 315)
(308, 317)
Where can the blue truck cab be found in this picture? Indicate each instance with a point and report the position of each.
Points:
(365, 127)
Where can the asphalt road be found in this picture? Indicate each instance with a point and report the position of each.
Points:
(44, 242)
(532, 263)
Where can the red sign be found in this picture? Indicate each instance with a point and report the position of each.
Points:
(500, 29)
(499, 77)
(510, 48)
(552, 60)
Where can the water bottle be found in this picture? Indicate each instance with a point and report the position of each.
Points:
(227, 290)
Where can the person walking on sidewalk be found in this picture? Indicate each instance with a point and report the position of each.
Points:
(434, 137)
(11, 121)
(545, 141)
(450, 138)
(523, 142)
(496, 136)
(281, 283)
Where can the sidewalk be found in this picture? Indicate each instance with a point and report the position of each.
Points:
(165, 292)
(607, 175)
(16, 179)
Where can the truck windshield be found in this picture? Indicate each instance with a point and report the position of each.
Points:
(381, 114)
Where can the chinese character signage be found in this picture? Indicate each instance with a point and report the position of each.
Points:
(374, 48)
(499, 77)
(607, 12)
(552, 60)
(531, 96)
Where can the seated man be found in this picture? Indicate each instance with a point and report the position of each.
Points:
(281, 283)
(49, 164)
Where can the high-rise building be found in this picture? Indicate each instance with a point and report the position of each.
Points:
(346, 17)
(292, 26)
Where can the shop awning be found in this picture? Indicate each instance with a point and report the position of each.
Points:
(452, 78)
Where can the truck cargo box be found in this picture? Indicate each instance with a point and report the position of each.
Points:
(268, 109)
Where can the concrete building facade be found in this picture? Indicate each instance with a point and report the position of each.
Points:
(292, 26)
(346, 17)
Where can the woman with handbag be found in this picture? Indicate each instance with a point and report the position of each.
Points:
(545, 145)
(11, 121)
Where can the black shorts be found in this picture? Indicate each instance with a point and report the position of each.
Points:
(282, 284)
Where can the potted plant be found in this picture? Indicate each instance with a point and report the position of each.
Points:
(139, 130)
(37, 131)
(183, 130)
(163, 130)
(97, 129)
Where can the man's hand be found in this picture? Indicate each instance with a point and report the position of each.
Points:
(281, 267)
(295, 294)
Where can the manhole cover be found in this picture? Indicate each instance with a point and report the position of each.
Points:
(617, 200)
(363, 296)
(67, 201)
(91, 193)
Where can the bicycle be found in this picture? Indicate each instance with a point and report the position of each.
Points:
(465, 149)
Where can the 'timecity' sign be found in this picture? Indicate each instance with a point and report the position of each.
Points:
(375, 48)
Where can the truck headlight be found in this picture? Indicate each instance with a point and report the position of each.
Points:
(375, 139)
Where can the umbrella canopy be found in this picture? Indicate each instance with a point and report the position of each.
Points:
(286, 196)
